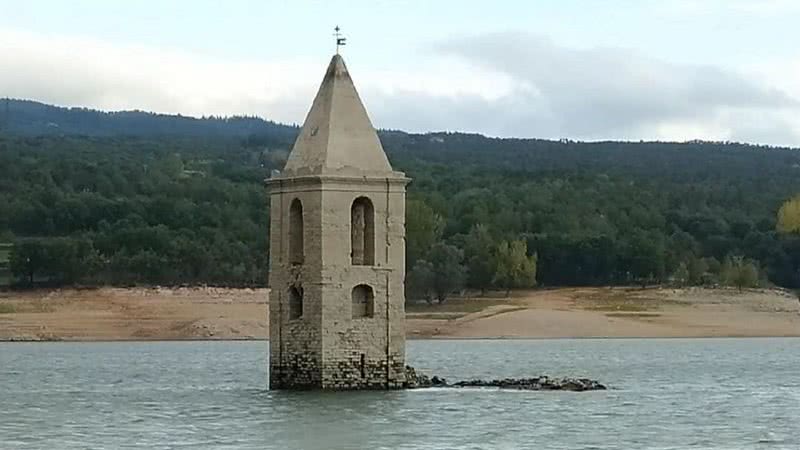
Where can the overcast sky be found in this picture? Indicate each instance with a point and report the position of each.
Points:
(590, 69)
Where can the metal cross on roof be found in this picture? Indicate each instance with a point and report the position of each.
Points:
(340, 41)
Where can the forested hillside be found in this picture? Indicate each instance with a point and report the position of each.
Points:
(141, 198)
(25, 117)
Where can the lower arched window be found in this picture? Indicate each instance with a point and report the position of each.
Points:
(295, 302)
(363, 301)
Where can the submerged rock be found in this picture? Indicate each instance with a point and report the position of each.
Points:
(416, 380)
(537, 384)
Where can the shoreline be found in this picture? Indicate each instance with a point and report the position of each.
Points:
(223, 314)
(440, 338)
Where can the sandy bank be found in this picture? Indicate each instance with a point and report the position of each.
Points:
(622, 312)
(217, 313)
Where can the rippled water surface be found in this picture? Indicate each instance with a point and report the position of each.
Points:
(668, 394)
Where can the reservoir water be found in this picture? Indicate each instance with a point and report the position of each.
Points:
(667, 394)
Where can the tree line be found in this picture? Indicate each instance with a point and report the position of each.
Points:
(482, 213)
(134, 211)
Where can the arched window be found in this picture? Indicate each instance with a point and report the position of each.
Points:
(363, 301)
(295, 302)
(296, 232)
(362, 232)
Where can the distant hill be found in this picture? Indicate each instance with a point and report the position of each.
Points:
(687, 160)
(28, 117)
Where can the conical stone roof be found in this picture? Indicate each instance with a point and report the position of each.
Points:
(337, 137)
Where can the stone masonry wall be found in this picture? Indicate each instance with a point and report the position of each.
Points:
(328, 348)
(295, 344)
(380, 338)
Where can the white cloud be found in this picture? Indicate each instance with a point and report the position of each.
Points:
(77, 71)
(500, 84)
(612, 93)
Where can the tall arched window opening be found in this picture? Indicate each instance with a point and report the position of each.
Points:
(362, 232)
(295, 302)
(363, 301)
(296, 232)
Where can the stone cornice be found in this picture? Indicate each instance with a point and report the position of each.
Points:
(277, 184)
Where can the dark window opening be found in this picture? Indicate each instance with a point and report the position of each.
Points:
(363, 301)
(362, 232)
(296, 232)
(295, 302)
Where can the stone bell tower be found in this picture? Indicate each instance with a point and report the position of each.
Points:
(337, 251)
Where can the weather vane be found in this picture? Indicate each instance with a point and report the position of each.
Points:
(340, 41)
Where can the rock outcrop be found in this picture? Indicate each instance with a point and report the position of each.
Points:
(542, 383)
(416, 380)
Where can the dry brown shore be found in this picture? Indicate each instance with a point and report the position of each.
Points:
(107, 314)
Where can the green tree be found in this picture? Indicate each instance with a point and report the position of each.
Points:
(71, 260)
(740, 272)
(449, 272)
(421, 281)
(514, 268)
(59, 260)
(789, 216)
(440, 276)
(681, 275)
(646, 258)
(423, 229)
(172, 165)
(697, 271)
(28, 258)
(478, 254)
